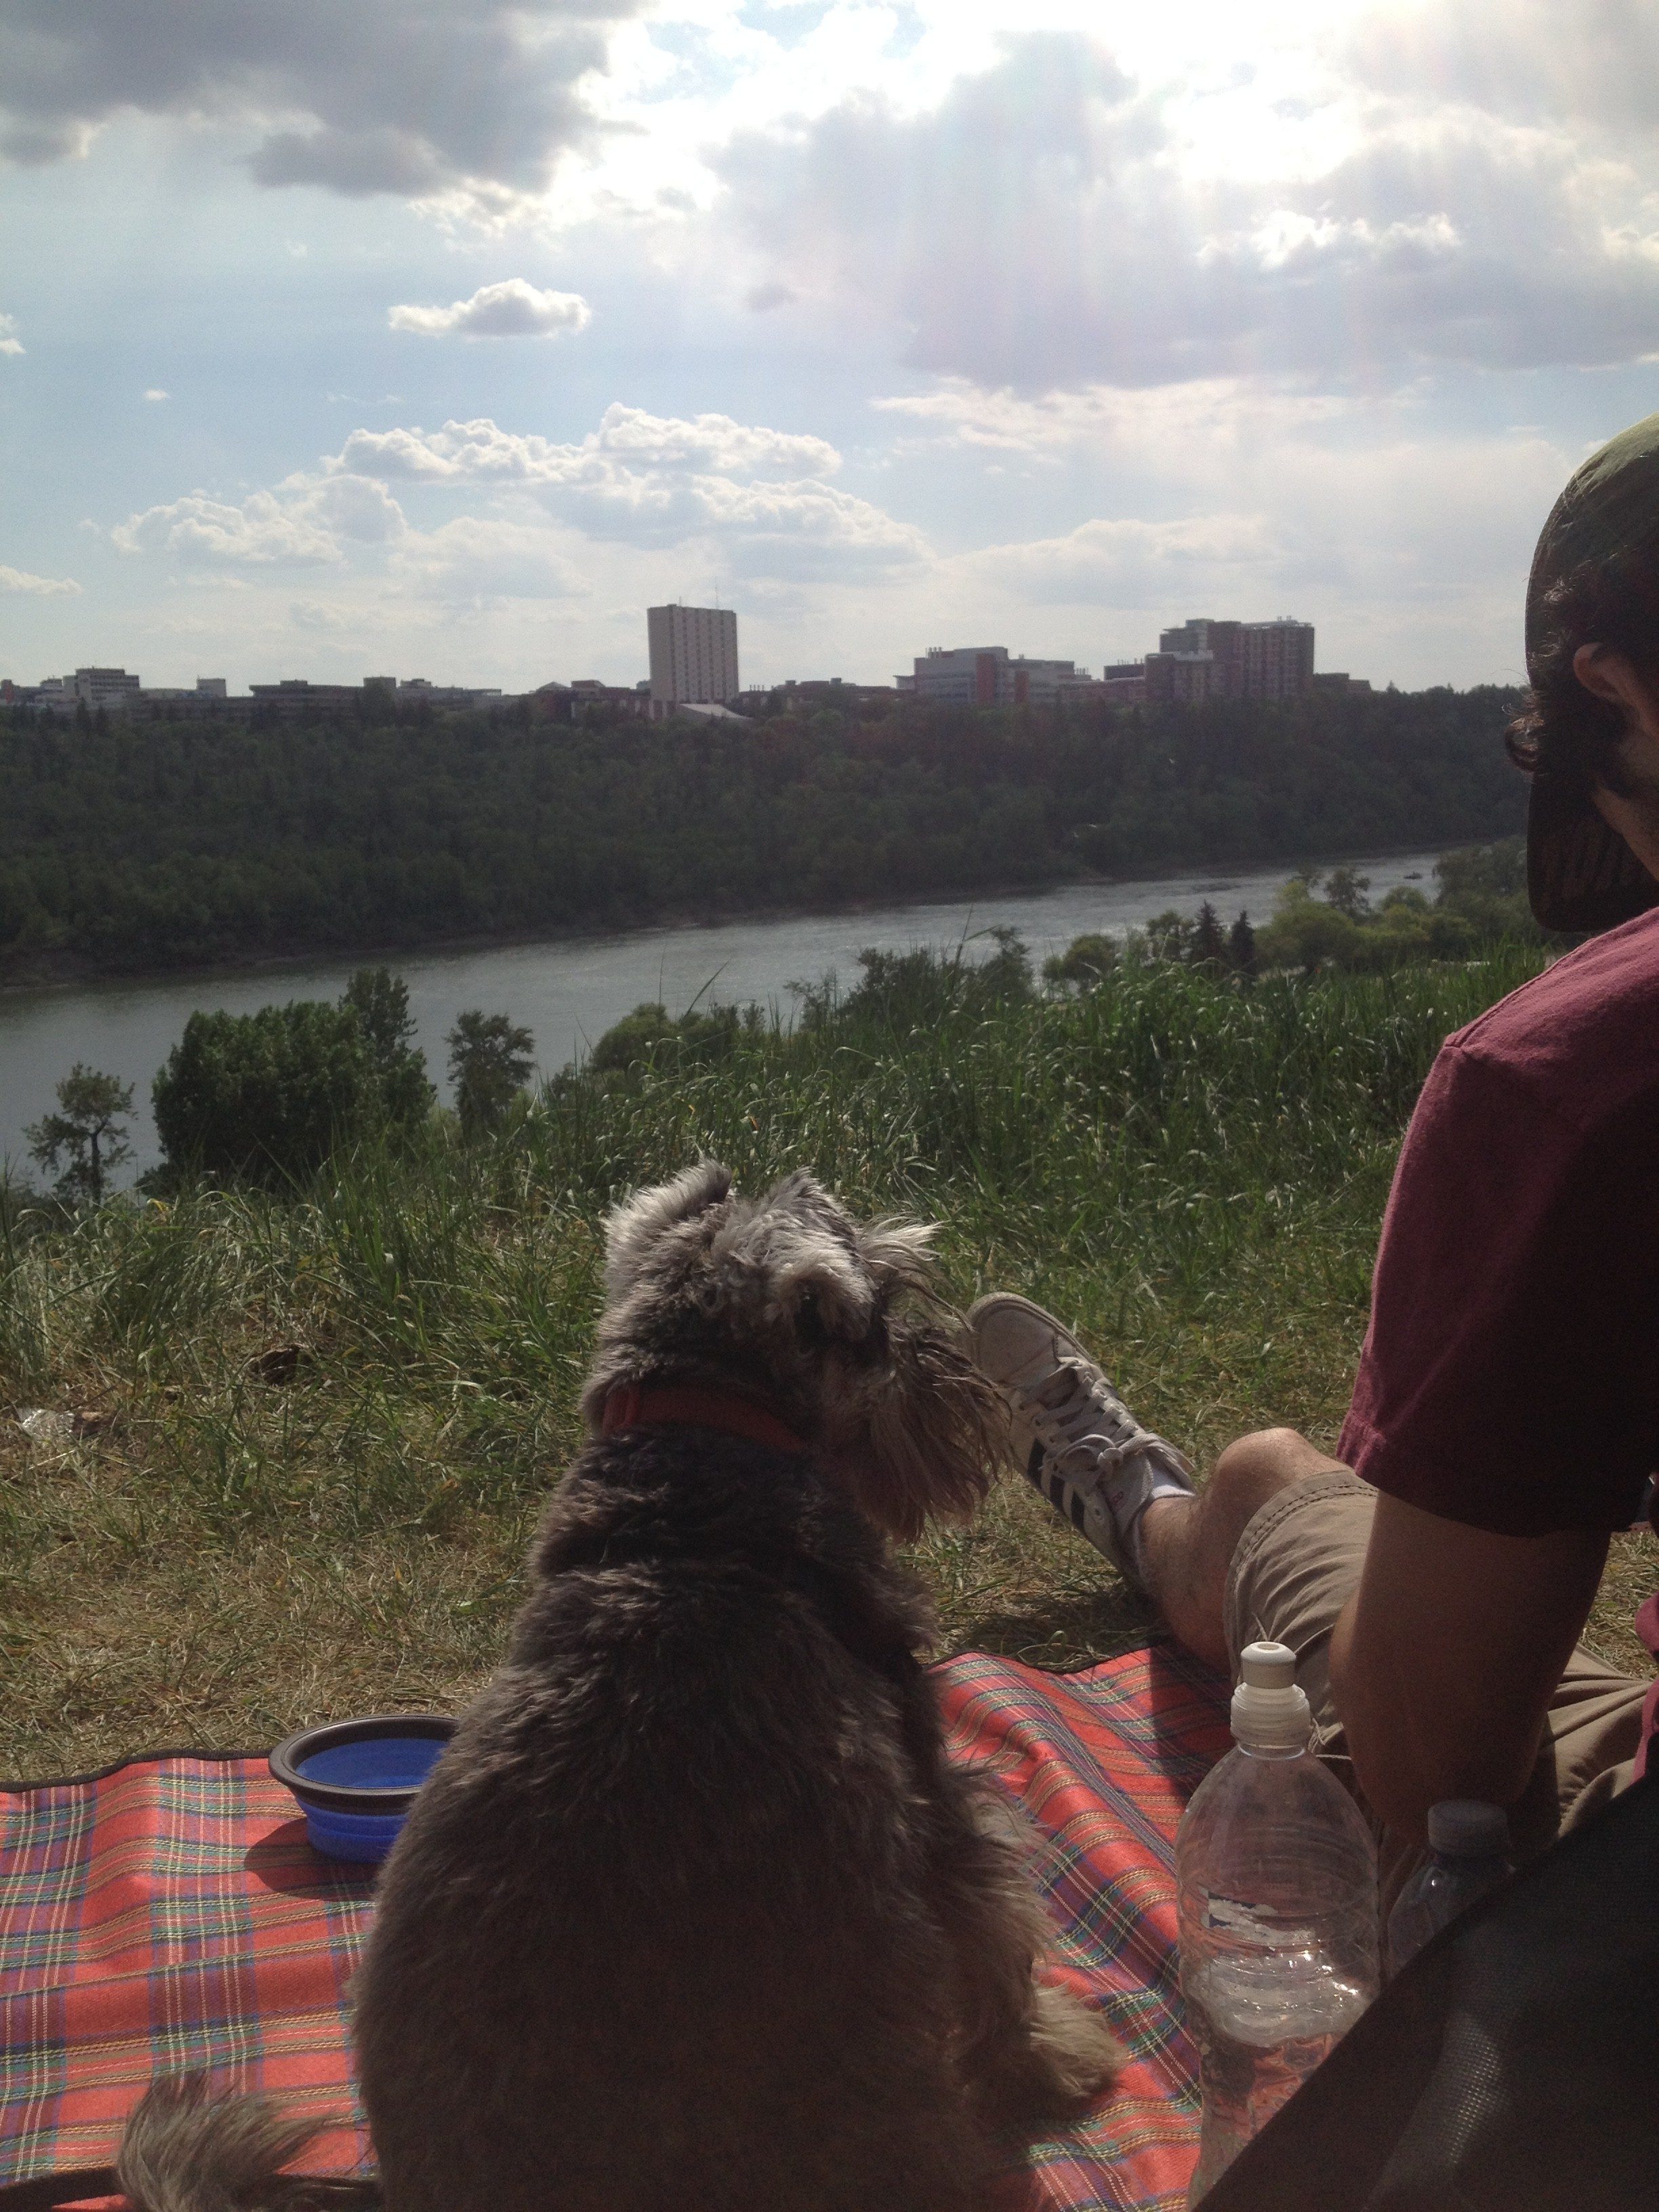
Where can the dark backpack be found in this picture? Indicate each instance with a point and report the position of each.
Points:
(1513, 2067)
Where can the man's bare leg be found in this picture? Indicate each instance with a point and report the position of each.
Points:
(1185, 1545)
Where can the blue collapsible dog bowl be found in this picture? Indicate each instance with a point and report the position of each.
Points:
(356, 1779)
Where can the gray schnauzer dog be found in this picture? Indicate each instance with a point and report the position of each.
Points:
(693, 1914)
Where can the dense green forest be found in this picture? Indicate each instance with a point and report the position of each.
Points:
(129, 845)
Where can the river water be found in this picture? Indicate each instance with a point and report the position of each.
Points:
(568, 991)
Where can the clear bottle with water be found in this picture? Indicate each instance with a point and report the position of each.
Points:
(1276, 1882)
(1468, 1853)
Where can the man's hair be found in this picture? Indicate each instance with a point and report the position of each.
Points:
(1563, 728)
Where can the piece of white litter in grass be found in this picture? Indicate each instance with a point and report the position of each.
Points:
(44, 1425)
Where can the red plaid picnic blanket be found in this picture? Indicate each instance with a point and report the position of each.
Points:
(170, 1914)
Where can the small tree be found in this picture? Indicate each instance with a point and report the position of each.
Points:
(265, 1097)
(1241, 946)
(1209, 945)
(379, 999)
(1308, 932)
(1345, 891)
(650, 1028)
(87, 1132)
(1084, 964)
(1007, 972)
(1169, 936)
(490, 1058)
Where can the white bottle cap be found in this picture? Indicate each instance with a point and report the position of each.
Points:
(1468, 1828)
(1270, 1712)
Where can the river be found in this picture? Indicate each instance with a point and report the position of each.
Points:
(568, 991)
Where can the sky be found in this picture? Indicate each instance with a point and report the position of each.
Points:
(439, 338)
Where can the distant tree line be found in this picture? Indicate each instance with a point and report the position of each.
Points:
(129, 845)
(1324, 919)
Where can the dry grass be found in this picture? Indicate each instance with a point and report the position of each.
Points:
(230, 1558)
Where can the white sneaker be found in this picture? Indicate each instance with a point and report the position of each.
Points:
(1077, 1442)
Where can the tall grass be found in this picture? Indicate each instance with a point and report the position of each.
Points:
(1190, 1170)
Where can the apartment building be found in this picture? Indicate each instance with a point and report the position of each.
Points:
(572, 702)
(694, 657)
(1203, 660)
(990, 676)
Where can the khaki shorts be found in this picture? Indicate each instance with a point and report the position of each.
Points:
(1297, 1565)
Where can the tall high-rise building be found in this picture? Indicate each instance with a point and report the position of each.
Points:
(1279, 658)
(694, 657)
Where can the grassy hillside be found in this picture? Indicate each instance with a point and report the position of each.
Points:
(317, 1429)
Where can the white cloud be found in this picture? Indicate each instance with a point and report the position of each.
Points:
(1528, 60)
(312, 615)
(305, 522)
(477, 561)
(1190, 429)
(415, 97)
(1407, 548)
(10, 341)
(1055, 220)
(513, 309)
(42, 587)
(1127, 563)
(657, 480)
(155, 392)
(755, 496)
(354, 507)
(627, 436)
(259, 530)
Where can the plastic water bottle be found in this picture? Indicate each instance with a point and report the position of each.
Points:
(1469, 1853)
(1276, 1880)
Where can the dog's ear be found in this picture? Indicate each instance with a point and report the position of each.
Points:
(936, 1431)
(837, 1279)
(898, 1255)
(634, 1226)
(808, 1248)
(825, 1292)
(933, 1436)
(801, 1195)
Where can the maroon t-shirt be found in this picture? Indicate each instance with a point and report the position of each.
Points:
(1511, 1373)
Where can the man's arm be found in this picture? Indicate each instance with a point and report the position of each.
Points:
(1444, 1660)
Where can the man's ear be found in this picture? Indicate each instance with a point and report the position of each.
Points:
(1607, 673)
(1627, 791)
(1594, 667)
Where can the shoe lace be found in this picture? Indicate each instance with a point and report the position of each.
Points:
(1084, 1432)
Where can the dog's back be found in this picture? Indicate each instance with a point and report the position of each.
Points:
(660, 1933)
(693, 1916)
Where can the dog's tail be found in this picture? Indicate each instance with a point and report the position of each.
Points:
(187, 2149)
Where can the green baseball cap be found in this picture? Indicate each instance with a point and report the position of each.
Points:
(1580, 872)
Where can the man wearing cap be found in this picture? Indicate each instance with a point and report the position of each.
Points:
(1434, 1578)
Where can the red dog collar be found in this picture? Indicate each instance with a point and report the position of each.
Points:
(673, 1406)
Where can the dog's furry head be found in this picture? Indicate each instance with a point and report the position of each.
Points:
(836, 1325)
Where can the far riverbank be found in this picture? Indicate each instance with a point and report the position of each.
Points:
(568, 991)
(58, 968)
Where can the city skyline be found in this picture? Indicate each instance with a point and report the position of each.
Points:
(692, 658)
(447, 336)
